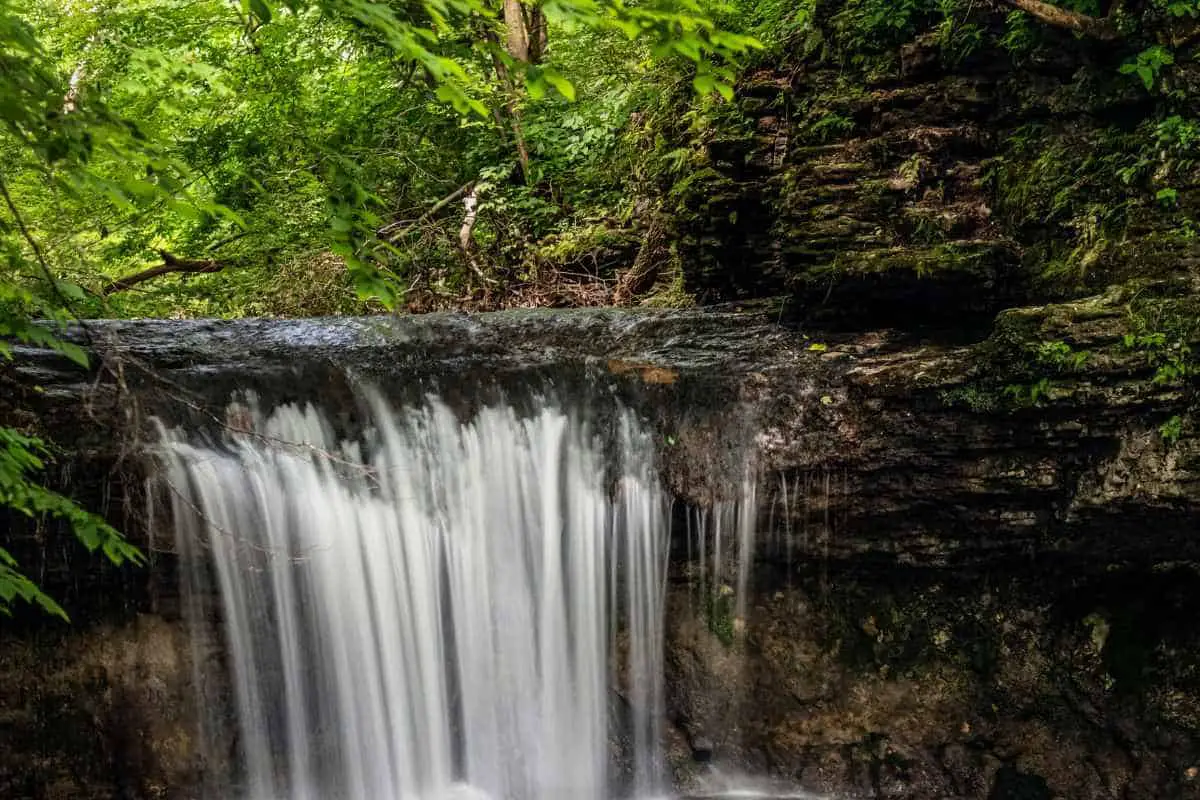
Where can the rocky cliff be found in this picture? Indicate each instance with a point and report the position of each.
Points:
(932, 171)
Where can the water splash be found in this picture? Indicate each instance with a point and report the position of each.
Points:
(428, 612)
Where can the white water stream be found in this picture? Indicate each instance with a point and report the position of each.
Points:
(431, 612)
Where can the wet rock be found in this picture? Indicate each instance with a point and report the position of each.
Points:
(1012, 784)
(702, 749)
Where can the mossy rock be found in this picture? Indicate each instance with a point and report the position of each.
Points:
(904, 286)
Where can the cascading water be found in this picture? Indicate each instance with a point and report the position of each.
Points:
(431, 611)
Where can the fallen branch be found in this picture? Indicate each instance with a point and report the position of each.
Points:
(1103, 28)
(171, 264)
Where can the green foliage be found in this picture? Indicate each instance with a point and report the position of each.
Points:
(1171, 357)
(1060, 356)
(866, 26)
(1148, 64)
(1021, 35)
(956, 34)
(980, 399)
(22, 457)
(287, 130)
(1171, 430)
(829, 127)
(719, 608)
(1030, 394)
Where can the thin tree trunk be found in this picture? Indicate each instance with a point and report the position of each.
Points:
(535, 27)
(517, 38)
(514, 114)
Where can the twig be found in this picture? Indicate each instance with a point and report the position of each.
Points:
(41, 259)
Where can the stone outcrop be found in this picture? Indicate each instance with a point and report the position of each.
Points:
(922, 187)
(962, 587)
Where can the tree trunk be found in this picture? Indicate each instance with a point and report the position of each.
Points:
(535, 27)
(514, 114)
(517, 40)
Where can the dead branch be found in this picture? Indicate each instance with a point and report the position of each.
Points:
(74, 86)
(471, 206)
(171, 264)
(1103, 28)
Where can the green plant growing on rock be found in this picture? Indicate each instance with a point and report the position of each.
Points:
(1171, 358)
(1148, 65)
(1172, 429)
(719, 607)
(957, 37)
(828, 127)
(1024, 395)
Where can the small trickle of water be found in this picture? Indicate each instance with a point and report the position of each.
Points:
(429, 612)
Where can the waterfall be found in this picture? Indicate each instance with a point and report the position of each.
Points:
(429, 610)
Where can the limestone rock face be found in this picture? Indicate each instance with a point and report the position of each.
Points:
(108, 710)
(914, 188)
(961, 588)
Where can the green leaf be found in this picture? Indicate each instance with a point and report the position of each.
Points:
(1147, 76)
(261, 10)
(74, 352)
(71, 291)
(536, 86)
(561, 84)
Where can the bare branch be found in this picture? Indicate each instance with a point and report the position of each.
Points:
(28, 236)
(171, 264)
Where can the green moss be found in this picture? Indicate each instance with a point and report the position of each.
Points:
(922, 261)
(719, 615)
(578, 242)
(673, 293)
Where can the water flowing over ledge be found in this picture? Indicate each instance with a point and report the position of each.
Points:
(430, 611)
